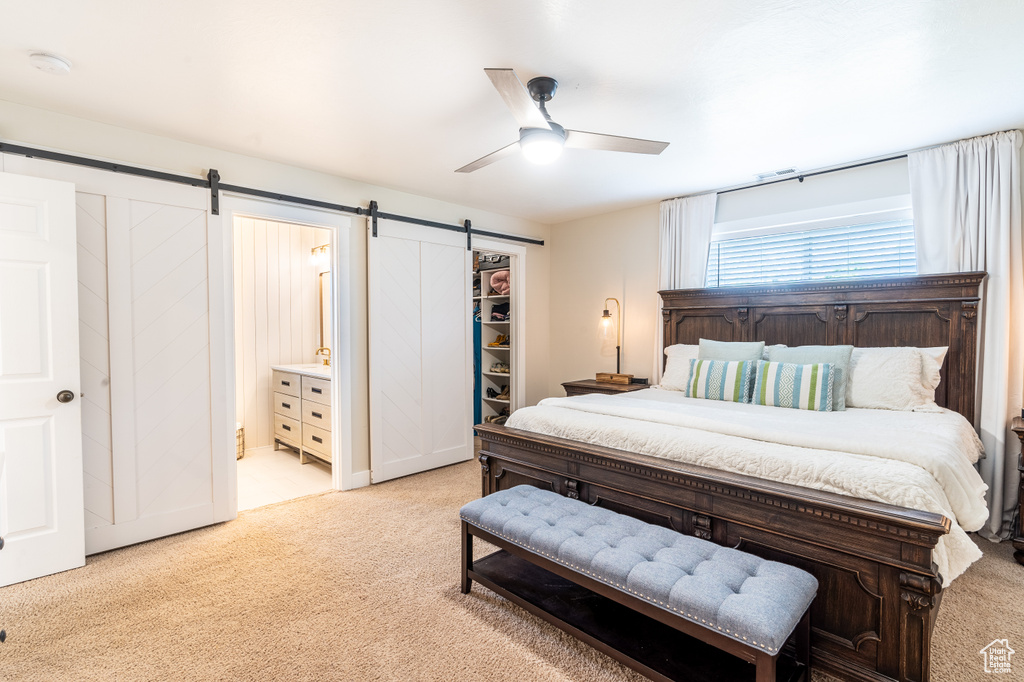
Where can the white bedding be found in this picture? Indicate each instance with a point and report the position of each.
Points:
(919, 460)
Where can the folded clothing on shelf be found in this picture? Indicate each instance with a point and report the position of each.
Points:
(500, 282)
(500, 312)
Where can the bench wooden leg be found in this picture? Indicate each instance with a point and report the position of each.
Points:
(467, 558)
(803, 641)
(766, 667)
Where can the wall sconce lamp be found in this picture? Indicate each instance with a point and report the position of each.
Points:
(320, 255)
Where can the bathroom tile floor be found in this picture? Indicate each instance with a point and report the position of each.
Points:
(266, 476)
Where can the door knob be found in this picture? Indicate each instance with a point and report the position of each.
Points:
(65, 396)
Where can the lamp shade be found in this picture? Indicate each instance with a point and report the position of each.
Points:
(607, 328)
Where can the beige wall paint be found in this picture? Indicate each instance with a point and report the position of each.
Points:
(38, 127)
(612, 255)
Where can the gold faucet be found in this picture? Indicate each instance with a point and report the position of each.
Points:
(326, 352)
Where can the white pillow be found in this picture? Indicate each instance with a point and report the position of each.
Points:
(677, 369)
(931, 366)
(899, 378)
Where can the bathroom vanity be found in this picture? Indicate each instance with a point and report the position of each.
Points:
(302, 410)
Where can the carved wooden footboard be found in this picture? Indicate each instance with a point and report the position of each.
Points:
(879, 592)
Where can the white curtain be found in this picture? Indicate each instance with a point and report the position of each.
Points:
(684, 240)
(967, 216)
(685, 237)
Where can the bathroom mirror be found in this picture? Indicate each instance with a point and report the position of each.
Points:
(325, 309)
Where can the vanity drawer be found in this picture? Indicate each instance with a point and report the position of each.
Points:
(316, 414)
(317, 440)
(286, 382)
(287, 405)
(317, 390)
(287, 429)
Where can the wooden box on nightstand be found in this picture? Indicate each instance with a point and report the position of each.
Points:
(593, 386)
(1018, 532)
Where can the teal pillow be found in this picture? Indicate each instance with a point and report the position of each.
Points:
(838, 356)
(721, 380)
(730, 350)
(805, 387)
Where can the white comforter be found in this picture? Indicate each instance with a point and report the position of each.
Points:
(919, 460)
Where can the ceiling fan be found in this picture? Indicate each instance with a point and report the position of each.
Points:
(541, 139)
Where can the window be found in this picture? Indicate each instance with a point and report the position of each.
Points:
(876, 249)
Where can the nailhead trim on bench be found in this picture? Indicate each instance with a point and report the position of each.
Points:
(652, 600)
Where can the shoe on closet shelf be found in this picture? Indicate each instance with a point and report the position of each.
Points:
(501, 340)
(501, 396)
(500, 368)
(491, 393)
(504, 341)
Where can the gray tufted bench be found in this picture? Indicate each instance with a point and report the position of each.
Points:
(731, 600)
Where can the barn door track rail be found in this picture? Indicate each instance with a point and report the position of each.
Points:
(214, 184)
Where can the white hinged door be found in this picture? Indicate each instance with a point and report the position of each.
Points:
(41, 511)
(421, 382)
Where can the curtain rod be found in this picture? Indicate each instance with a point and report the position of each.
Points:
(213, 183)
(800, 176)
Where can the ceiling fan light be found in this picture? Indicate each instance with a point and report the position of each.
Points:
(541, 146)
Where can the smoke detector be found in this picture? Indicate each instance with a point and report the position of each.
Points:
(50, 63)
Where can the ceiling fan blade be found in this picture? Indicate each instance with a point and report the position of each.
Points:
(578, 139)
(517, 98)
(508, 150)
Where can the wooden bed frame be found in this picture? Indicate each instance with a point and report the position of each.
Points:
(879, 589)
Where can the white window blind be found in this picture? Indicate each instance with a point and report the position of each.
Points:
(877, 249)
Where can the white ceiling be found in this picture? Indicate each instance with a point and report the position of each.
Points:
(392, 92)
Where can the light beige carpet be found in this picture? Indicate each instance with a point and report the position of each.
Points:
(356, 586)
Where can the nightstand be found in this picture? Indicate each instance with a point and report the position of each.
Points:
(1018, 532)
(593, 386)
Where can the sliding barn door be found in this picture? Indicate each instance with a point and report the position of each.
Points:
(147, 320)
(421, 384)
(41, 516)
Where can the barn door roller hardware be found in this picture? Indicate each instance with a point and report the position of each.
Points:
(212, 181)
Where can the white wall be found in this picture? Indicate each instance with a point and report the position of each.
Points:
(42, 128)
(842, 187)
(277, 313)
(616, 254)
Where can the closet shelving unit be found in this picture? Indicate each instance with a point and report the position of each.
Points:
(490, 330)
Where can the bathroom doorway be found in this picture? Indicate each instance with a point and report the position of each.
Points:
(283, 365)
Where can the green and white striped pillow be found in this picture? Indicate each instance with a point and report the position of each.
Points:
(721, 380)
(785, 384)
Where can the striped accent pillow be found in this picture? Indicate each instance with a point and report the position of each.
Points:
(721, 380)
(785, 384)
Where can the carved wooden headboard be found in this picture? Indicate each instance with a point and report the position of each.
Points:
(932, 310)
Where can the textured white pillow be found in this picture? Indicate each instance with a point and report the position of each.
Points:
(931, 366)
(892, 379)
(677, 369)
